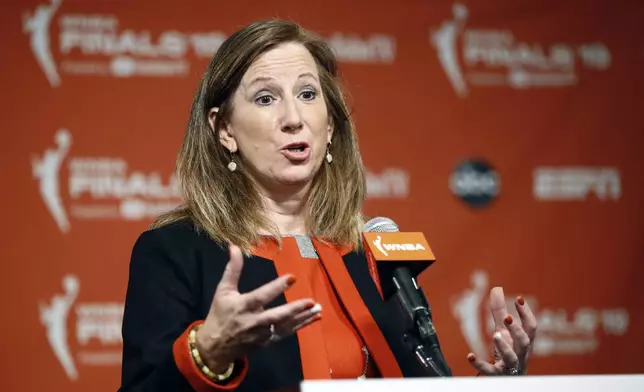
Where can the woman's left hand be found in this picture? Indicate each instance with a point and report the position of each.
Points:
(512, 342)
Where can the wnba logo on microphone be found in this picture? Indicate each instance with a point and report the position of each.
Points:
(398, 246)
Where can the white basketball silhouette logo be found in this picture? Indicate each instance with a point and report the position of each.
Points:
(46, 170)
(37, 25)
(54, 317)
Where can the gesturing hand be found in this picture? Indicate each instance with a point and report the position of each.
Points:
(238, 323)
(512, 342)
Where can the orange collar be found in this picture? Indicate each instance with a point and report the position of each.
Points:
(269, 248)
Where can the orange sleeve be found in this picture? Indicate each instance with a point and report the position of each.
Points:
(188, 368)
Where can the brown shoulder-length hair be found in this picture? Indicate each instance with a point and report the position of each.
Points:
(227, 204)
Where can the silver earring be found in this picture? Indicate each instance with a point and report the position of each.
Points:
(329, 157)
(232, 166)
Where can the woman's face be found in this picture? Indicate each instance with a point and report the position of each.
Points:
(279, 124)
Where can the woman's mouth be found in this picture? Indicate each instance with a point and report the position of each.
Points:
(297, 152)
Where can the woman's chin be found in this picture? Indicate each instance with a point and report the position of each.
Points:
(295, 177)
(293, 181)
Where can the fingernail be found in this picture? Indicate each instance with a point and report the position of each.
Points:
(309, 305)
(497, 336)
(317, 308)
(471, 357)
(508, 320)
(521, 300)
(291, 280)
(316, 318)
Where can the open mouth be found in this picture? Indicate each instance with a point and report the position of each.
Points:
(297, 152)
(296, 147)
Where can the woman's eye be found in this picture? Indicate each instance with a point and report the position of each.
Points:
(308, 95)
(264, 100)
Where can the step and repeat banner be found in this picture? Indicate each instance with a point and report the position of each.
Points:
(509, 132)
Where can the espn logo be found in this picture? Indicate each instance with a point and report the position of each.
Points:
(398, 246)
(576, 183)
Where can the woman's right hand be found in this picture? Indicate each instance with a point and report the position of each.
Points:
(237, 323)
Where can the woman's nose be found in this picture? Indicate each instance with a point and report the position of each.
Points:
(291, 116)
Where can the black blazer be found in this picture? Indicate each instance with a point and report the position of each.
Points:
(174, 271)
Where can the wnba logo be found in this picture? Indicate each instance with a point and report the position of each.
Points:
(384, 248)
(394, 246)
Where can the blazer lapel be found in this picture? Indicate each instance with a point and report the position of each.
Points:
(310, 339)
(386, 315)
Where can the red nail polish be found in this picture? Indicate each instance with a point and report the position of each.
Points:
(521, 300)
(471, 357)
(508, 320)
(291, 280)
(309, 305)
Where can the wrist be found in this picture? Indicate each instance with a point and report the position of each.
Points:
(209, 347)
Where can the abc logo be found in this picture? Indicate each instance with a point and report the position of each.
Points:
(475, 182)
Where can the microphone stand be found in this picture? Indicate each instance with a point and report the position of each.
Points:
(420, 353)
(421, 339)
(427, 333)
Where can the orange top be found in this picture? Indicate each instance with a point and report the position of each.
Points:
(342, 343)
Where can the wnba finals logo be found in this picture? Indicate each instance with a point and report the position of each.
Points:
(93, 338)
(494, 57)
(98, 187)
(94, 44)
(560, 332)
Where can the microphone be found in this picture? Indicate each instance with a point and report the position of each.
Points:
(399, 258)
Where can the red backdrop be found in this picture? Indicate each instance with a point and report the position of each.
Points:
(509, 132)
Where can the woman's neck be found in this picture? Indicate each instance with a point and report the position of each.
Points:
(287, 210)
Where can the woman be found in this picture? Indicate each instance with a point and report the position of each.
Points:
(259, 281)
